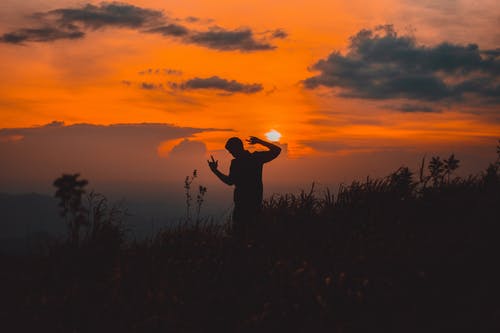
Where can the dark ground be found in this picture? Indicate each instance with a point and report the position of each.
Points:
(389, 255)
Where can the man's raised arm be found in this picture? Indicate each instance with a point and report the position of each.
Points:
(274, 150)
(213, 164)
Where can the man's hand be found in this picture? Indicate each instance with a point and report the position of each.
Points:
(253, 140)
(274, 150)
(213, 164)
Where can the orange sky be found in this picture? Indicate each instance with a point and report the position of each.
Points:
(97, 79)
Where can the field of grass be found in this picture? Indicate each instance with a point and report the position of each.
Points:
(405, 253)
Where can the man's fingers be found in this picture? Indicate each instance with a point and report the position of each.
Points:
(213, 160)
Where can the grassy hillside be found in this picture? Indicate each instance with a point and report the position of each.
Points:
(406, 253)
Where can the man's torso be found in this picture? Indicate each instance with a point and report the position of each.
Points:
(246, 173)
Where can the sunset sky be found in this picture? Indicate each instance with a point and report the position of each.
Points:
(146, 90)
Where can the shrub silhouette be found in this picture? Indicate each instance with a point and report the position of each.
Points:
(90, 219)
(70, 191)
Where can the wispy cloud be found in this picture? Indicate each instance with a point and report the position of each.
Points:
(407, 107)
(160, 71)
(229, 40)
(217, 83)
(174, 30)
(43, 34)
(105, 15)
(150, 86)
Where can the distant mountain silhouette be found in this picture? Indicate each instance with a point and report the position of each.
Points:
(26, 217)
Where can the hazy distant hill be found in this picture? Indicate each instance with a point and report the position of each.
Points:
(24, 217)
(29, 218)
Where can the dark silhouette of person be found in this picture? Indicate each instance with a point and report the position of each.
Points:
(245, 173)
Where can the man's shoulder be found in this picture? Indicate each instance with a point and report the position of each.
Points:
(260, 156)
(260, 152)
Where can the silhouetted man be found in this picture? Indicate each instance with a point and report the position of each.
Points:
(245, 173)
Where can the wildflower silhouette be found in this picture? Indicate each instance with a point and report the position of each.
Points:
(200, 197)
(245, 173)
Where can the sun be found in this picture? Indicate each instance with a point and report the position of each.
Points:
(273, 135)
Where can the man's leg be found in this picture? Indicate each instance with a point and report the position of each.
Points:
(246, 220)
(238, 223)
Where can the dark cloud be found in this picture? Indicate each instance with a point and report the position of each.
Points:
(160, 71)
(144, 85)
(70, 23)
(406, 107)
(215, 82)
(47, 34)
(106, 14)
(150, 86)
(380, 64)
(192, 19)
(174, 30)
(229, 40)
(218, 38)
(279, 33)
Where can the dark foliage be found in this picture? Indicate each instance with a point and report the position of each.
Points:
(70, 191)
(385, 255)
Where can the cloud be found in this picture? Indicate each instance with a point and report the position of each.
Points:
(58, 129)
(380, 64)
(71, 23)
(160, 71)
(117, 151)
(192, 19)
(114, 14)
(218, 38)
(279, 33)
(46, 34)
(229, 40)
(174, 30)
(406, 107)
(144, 85)
(215, 82)
(188, 148)
(150, 86)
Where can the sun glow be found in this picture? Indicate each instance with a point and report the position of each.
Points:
(273, 135)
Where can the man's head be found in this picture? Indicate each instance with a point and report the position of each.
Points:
(235, 146)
